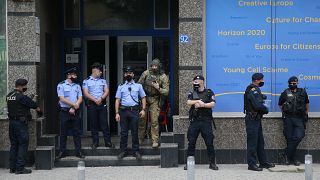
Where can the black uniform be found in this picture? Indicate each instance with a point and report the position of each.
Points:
(19, 114)
(294, 111)
(254, 109)
(201, 122)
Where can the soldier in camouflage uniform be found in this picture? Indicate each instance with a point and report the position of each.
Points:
(156, 85)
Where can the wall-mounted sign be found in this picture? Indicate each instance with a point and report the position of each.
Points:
(72, 58)
(184, 38)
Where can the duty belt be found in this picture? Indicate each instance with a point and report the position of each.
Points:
(130, 108)
(65, 109)
(23, 119)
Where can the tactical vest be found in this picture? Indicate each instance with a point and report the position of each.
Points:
(148, 87)
(16, 109)
(247, 105)
(295, 102)
(201, 113)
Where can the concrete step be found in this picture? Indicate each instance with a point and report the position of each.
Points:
(100, 161)
(104, 151)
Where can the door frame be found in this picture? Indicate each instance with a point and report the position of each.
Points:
(106, 75)
(120, 41)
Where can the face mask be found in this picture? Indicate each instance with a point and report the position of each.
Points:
(73, 79)
(196, 87)
(128, 78)
(261, 84)
(293, 86)
(24, 89)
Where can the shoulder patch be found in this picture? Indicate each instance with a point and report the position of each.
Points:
(253, 89)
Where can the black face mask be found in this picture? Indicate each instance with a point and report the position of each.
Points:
(293, 86)
(24, 89)
(261, 84)
(196, 87)
(128, 78)
(74, 80)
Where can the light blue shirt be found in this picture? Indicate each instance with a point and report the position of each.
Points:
(70, 91)
(95, 87)
(123, 93)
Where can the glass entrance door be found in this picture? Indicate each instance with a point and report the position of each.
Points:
(135, 52)
(96, 49)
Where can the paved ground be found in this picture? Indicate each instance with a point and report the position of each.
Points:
(226, 172)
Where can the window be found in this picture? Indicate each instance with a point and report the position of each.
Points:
(118, 14)
(72, 14)
(3, 55)
(161, 14)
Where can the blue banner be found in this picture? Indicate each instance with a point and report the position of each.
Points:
(277, 38)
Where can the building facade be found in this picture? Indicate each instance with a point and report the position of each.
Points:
(39, 40)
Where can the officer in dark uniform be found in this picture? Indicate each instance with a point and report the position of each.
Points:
(70, 99)
(254, 109)
(294, 103)
(96, 91)
(127, 112)
(202, 101)
(19, 114)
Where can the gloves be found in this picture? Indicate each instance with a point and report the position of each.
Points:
(39, 113)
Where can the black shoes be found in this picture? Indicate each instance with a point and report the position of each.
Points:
(122, 155)
(23, 171)
(109, 145)
(80, 155)
(137, 155)
(94, 146)
(296, 162)
(213, 166)
(12, 171)
(266, 165)
(254, 168)
(61, 155)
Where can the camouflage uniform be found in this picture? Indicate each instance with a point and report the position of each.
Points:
(154, 99)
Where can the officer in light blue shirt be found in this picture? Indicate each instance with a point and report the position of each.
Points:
(70, 99)
(95, 90)
(127, 112)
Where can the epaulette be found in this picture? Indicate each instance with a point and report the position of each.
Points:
(88, 78)
(62, 82)
(120, 84)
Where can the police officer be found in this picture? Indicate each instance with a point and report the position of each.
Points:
(127, 112)
(70, 99)
(156, 85)
(202, 101)
(96, 90)
(19, 114)
(254, 109)
(294, 103)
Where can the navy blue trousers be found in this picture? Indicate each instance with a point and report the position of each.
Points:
(72, 122)
(255, 142)
(294, 133)
(98, 120)
(129, 120)
(19, 140)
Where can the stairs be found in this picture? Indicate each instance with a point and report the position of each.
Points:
(103, 156)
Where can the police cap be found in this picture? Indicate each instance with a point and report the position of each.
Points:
(21, 82)
(198, 77)
(71, 70)
(96, 65)
(257, 76)
(128, 69)
(292, 79)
